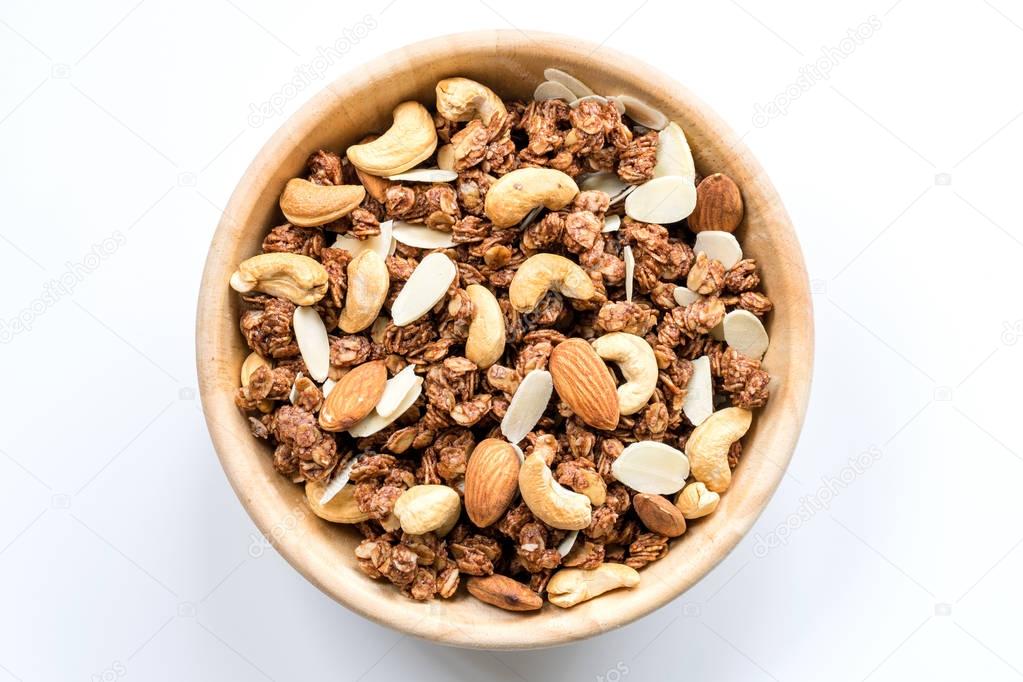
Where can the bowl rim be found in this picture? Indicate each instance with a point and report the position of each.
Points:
(212, 333)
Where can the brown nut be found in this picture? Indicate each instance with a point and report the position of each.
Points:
(298, 278)
(718, 205)
(584, 382)
(307, 204)
(354, 396)
(659, 515)
(503, 592)
(491, 481)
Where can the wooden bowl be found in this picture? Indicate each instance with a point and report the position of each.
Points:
(512, 64)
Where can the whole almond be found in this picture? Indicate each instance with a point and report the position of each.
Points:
(584, 382)
(503, 592)
(491, 481)
(659, 515)
(718, 205)
(354, 396)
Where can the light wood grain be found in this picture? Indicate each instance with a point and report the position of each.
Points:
(356, 103)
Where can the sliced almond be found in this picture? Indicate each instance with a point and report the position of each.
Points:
(565, 546)
(685, 296)
(293, 393)
(630, 271)
(421, 237)
(381, 243)
(667, 199)
(311, 336)
(425, 175)
(642, 113)
(446, 157)
(425, 287)
(651, 467)
(621, 196)
(327, 387)
(673, 154)
(608, 183)
(339, 480)
(395, 390)
(552, 90)
(612, 223)
(374, 422)
(576, 86)
(527, 405)
(699, 400)
(745, 333)
(719, 245)
(595, 98)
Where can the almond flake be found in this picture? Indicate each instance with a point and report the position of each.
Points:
(381, 243)
(596, 98)
(552, 90)
(745, 333)
(642, 113)
(373, 422)
(425, 175)
(699, 400)
(311, 336)
(395, 390)
(685, 296)
(673, 154)
(663, 200)
(608, 183)
(527, 405)
(630, 271)
(421, 237)
(425, 287)
(618, 198)
(339, 480)
(612, 223)
(293, 393)
(565, 546)
(327, 387)
(576, 86)
(651, 467)
(719, 245)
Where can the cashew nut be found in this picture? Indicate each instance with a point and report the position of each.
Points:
(298, 278)
(461, 99)
(595, 488)
(410, 140)
(307, 204)
(708, 444)
(695, 500)
(428, 508)
(545, 272)
(485, 344)
(517, 193)
(552, 503)
(636, 360)
(368, 282)
(571, 586)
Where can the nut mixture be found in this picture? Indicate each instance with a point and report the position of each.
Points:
(515, 344)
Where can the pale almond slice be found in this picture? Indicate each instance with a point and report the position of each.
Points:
(621, 196)
(552, 90)
(565, 546)
(519, 452)
(381, 243)
(311, 336)
(662, 200)
(373, 422)
(612, 223)
(425, 175)
(527, 405)
(630, 271)
(576, 86)
(425, 287)
(421, 237)
(673, 154)
(446, 157)
(396, 388)
(293, 393)
(608, 183)
(745, 333)
(719, 245)
(699, 400)
(327, 387)
(685, 296)
(642, 113)
(651, 467)
(574, 104)
(339, 480)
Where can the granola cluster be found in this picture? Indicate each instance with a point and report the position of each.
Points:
(462, 404)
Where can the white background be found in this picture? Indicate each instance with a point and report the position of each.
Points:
(125, 555)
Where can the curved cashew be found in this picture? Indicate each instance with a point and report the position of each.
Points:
(307, 204)
(707, 447)
(428, 508)
(638, 363)
(571, 586)
(549, 501)
(517, 193)
(485, 344)
(368, 282)
(410, 140)
(342, 508)
(695, 500)
(446, 157)
(461, 99)
(298, 278)
(545, 272)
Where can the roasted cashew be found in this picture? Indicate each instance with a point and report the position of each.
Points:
(636, 359)
(695, 500)
(368, 282)
(571, 586)
(410, 140)
(307, 204)
(517, 193)
(708, 444)
(298, 278)
(461, 99)
(428, 509)
(552, 503)
(545, 272)
(485, 344)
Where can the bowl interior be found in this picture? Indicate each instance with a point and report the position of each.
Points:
(512, 65)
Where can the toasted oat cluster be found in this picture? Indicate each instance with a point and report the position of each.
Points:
(512, 341)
